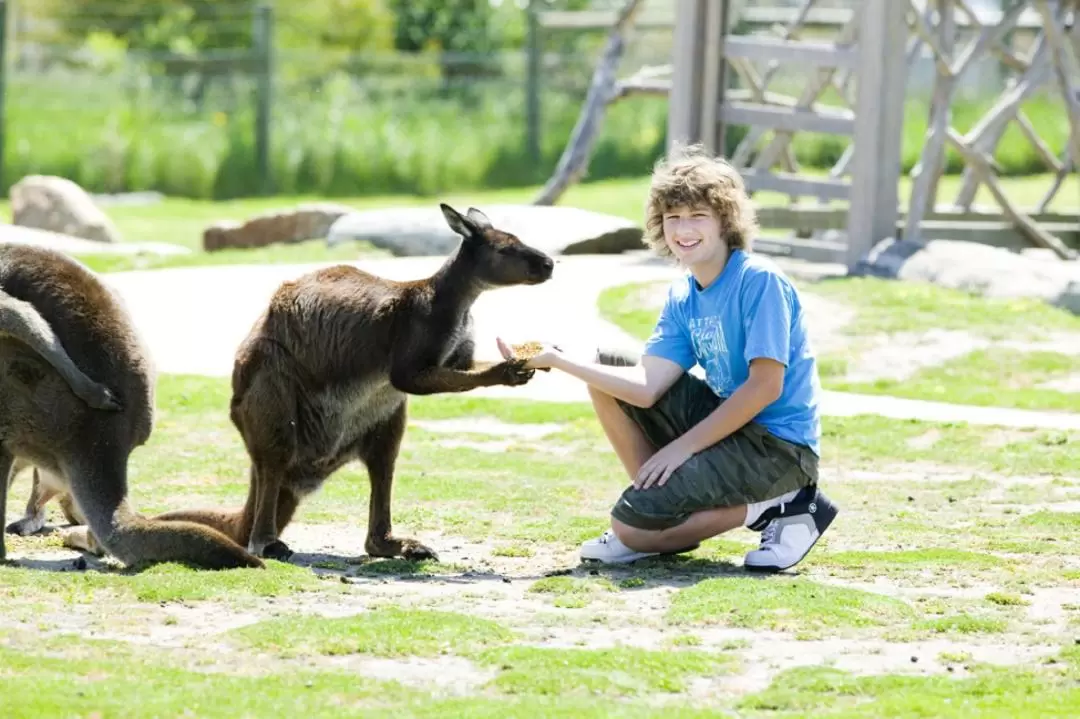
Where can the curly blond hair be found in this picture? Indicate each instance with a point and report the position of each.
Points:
(691, 177)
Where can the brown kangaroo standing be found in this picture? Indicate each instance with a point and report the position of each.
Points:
(324, 376)
(57, 317)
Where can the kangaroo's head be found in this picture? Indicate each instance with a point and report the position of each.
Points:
(496, 257)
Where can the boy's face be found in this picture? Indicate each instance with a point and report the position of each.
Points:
(693, 234)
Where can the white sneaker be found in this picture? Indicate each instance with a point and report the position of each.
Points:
(792, 532)
(608, 549)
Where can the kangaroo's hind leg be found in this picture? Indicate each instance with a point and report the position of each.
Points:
(33, 521)
(6, 462)
(378, 449)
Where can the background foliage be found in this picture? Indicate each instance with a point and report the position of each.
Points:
(368, 97)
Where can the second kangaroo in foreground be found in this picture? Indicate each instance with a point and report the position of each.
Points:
(79, 434)
(324, 376)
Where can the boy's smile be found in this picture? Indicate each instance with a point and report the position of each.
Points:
(693, 236)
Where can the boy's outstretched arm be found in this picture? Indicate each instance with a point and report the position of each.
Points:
(640, 385)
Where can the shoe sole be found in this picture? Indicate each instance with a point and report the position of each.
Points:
(672, 553)
(827, 511)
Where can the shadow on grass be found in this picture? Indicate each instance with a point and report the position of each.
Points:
(672, 571)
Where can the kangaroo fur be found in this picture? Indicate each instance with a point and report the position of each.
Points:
(77, 437)
(324, 376)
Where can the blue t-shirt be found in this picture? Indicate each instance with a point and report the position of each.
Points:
(751, 310)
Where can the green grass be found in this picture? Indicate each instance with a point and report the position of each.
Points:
(618, 672)
(990, 693)
(386, 632)
(495, 631)
(988, 378)
(807, 608)
(164, 583)
(888, 306)
(131, 131)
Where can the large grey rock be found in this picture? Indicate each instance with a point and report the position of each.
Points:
(13, 234)
(981, 269)
(57, 204)
(556, 230)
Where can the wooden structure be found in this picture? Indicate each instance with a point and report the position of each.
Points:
(874, 42)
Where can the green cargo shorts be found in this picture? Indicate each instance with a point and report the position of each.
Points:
(749, 465)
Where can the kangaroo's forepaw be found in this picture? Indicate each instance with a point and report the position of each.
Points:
(514, 373)
(99, 396)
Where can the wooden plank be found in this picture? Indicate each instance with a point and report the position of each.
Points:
(788, 119)
(981, 164)
(713, 74)
(987, 132)
(758, 95)
(813, 89)
(823, 251)
(932, 158)
(875, 167)
(803, 218)
(1041, 148)
(997, 234)
(602, 19)
(763, 49)
(814, 217)
(830, 189)
(1066, 71)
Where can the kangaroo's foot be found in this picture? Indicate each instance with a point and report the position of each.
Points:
(81, 539)
(30, 524)
(391, 546)
(273, 549)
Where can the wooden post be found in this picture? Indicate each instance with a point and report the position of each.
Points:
(533, 55)
(263, 35)
(879, 119)
(713, 75)
(684, 113)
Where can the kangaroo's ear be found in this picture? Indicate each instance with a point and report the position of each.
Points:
(459, 224)
(479, 218)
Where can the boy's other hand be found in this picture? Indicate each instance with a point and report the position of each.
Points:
(658, 468)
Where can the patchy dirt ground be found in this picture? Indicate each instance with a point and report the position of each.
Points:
(599, 607)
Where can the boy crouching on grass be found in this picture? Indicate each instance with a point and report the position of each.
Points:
(739, 448)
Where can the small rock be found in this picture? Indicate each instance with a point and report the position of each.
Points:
(305, 222)
(914, 660)
(57, 204)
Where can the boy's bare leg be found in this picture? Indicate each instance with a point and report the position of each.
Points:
(625, 437)
(702, 525)
(633, 450)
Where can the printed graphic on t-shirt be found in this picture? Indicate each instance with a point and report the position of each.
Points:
(710, 345)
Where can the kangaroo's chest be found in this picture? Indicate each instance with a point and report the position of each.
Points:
(459, 344)
(338, 418)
